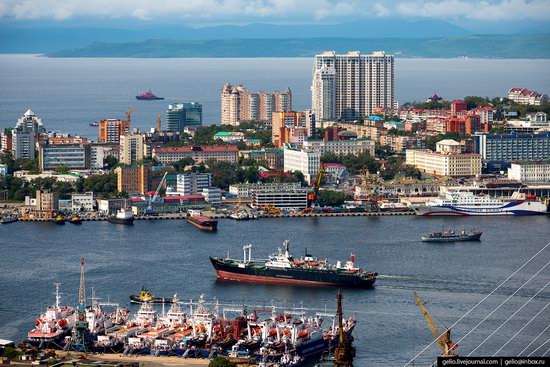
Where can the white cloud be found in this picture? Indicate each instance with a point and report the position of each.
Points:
(277, 10)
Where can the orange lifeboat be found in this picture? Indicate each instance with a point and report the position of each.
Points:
(62, 323)
(272, 332)
(303, 334)
(37, 322)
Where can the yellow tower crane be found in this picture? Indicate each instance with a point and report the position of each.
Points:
(443, 341)
(129, 114)
(158, 122)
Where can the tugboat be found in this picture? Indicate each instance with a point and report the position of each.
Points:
(123, 216)
(146, 296)
(75, 219)
(281, 267)
(8, 219)
(148, 96)
(59, 219)
(204, 223)
(451, 236)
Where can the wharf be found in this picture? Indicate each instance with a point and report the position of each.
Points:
(144, 361)
(224, 216)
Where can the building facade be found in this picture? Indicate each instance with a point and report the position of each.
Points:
(245, 190)
(530, 172)
(99, 153)
(352, 84)
(82, 202)
(444, 164)
(526, 96)
(23, 144)
(131, 148)
(341, 147)
(288, 199)
(29, 122)
(513, 147)
(193, 183)
(110, 130)
(199, 154)
(133, 179)
(305, 161)
(71, 156)
(181, 115)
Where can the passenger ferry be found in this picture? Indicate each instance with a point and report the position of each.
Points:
(467, 203)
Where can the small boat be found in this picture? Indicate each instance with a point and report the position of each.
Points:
(59, 219)
(451, 236)
(75, 219)
(204, 223)
(146, 296)
(95, 123)
(123, 216)
(8, 219)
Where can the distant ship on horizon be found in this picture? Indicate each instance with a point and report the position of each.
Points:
(148, 96)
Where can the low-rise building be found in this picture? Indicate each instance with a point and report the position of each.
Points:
(245, 190)
(71, 156)
(230, 136)
(288, 199)
(82, 202)
(398, 143)
(334, 172)
(110, 206)
(341, 147)
(530, 172)
(273, 157)
(526, 96)
(212, 195)
(199, 154)
(133, 179)
(192, 183)
(305, 161)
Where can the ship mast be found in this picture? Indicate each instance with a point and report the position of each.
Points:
(82, 288)
(57, 295)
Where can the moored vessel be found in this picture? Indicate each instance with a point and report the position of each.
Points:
(123, 216)
(467, 203)
(148, 96)
(6, 219)
(75, 219)
(146, 296)
(59, 219)
(451, 236)
(202, 222)
(281, 267)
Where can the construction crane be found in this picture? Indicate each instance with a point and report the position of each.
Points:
(443, 341)
(129, 114)
(149, 210)
(312, 196)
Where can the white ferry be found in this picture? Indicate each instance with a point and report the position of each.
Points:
(467, 203)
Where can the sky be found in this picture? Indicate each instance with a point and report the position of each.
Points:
(468, 13)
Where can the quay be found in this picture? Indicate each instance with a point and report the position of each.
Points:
(144, 361)
(225, 216)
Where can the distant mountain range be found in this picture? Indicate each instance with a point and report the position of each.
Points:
(33, 38)
(529, 46)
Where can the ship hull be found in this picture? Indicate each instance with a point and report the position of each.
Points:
(8, 220)
(125, 221)
(149, 98)
(470, 237)
(512, 208)
(209, 225)
(288, 276)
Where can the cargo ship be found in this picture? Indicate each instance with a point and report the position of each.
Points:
(451, 236)
(467, 203)
(123, 216)
(204, 223)
(148, 96)
(281, 267)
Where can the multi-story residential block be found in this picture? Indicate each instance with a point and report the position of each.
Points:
(334, 172)
(525, 96)
(465, 125)
(400, 143)
(71, 156)
(131, 148)
(58, 140)
(193, 183)
(513, 147)
(287, 126)
(352, 84)
(212, 195)
(458, 108)
(29, 122)
(530, 171)
(289, 199)
(110, 130)
(181, 115)
(341, 147)
(6, 141)
(23, 144)
(46, 202)
(133, 179)
(245, 190)
(238, 104)
(99, 153)
(486, 114)
(447, 160)
(273, 157)
(82, 202)
(199, 154)
(306, 161)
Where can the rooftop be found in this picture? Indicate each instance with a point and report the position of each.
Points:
(203, 148)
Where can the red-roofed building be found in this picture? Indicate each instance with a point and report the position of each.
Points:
(525, 96)
(200, 154)
(457, 107)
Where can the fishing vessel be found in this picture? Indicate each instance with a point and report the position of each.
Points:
(123, 216)
(52, 326)
(451, 236)
(146, 296)
(148, 96)
(281, 267)
(467, 203)
(59, 219)
(6, 219)
(204, 223)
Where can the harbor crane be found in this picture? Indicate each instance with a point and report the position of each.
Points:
(129, 114)
(312, 196)
(149, 210)
(443, 340)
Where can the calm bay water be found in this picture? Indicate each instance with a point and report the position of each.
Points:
(172, 256)
(70, 93)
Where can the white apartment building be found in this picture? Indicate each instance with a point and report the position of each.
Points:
(245, 190)
(82, 202)
(212, 195)
(526, 96)
(131, 148)
(530, 171)
(353, 84)
(22, 144)
(289, 199)
(192, 183)
(99, 152)
(341, 147)
(305, 161)
(444, 164)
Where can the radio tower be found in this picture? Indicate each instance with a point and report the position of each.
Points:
(82, 289)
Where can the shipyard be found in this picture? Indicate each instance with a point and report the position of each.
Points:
(238, 183)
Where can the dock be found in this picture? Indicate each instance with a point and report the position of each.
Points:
(144, 361)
